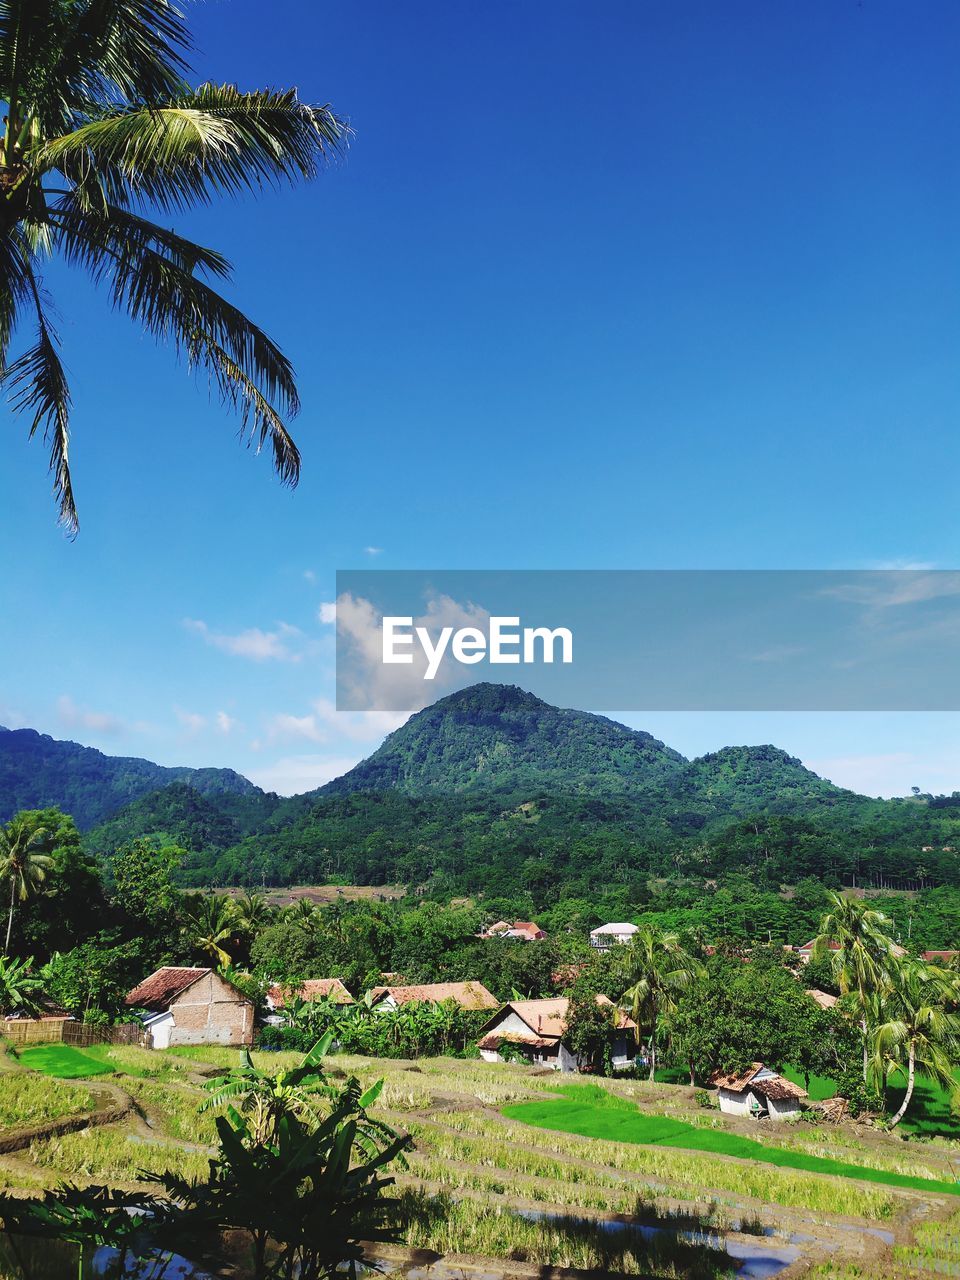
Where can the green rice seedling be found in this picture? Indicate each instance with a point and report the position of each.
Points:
(508, 1142)
(28, 1099)
(112, 1153)
(581, 1112)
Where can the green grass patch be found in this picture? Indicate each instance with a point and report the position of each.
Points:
(63, 1061)
(929, 1114)
(27, 1100)
(583, 1111)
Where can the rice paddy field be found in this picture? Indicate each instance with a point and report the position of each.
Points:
(515, 1170)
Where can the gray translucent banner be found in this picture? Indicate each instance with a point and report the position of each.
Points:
(653, 640)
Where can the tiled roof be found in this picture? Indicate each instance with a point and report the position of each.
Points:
(932, 956)
(778, 1088)
(614, 928)
(161, 987)
(311, 989)
(468, 995)
(735, 1081)
(823, 998)
(494, 1039)
(770, 1084)
(549, 1017)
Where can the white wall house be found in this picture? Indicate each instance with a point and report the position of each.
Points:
(611, 935)
(757, 1092)
(534, 1030)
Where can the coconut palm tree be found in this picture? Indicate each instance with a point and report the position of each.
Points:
(918, 1030)
(103, 129)
(656, 967)
(861, 957)
(209, 925)
(22, 861)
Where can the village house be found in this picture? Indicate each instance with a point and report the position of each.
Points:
(823, 998)
(758, 1092)
(192, 1006)
(520, 930)
(535, 1029)
(311, 989)
(940, 957)
(611, 935)
(468, 995)
(806, 951)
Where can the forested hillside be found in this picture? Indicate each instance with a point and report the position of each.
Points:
(37, 770)
(491, 789)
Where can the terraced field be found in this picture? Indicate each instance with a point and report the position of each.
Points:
(495, 1192)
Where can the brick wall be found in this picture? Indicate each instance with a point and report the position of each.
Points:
(211, 1012)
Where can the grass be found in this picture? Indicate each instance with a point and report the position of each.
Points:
(112, 1153)
(173, 1109)
(594, 1113)
(447, 1225)
(63, 1061)
(507, 1146)
(929, 1115)
(27, 1100)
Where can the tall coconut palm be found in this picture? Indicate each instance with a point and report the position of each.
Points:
(656, 967)
(22, 862)
(102, 130)
(861, 954)
(918, 1029)
(209, 925)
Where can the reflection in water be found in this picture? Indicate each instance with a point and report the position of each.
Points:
(32, 1258)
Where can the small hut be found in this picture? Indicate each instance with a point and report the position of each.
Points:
(758, 1092)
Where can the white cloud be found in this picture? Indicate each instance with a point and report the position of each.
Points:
(362, 676)
(76, 717)
(192, 721)
(362, 726)
(287, 726)
(291, 775)
(373, 551)
(327, 613)
(226, 723)
(309, 575)
(279, 645)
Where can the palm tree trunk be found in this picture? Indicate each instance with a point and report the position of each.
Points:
(693, 1074)
(911, 1079)
(13, 896)
(653, 1047)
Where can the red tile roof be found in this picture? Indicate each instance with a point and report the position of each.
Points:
(468, 995)
(932, 956)
(774, 1086)
(157, 991)
(311, 989)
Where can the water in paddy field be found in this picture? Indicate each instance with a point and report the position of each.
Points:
(27, 1258)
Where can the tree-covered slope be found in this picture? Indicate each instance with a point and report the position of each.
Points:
(186, 816)
(37, 771)
(493, 737)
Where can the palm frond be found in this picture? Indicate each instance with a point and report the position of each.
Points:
(102, 240)
(213, 140)
(39, 386)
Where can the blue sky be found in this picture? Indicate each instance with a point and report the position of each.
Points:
(618, 286)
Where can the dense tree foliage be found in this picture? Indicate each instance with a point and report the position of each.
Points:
(37, 771)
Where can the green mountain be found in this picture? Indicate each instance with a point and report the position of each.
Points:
(493, 737)
(491, 789)
(37, 770)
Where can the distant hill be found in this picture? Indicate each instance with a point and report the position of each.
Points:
(492, 789)
(37, 770)
(492, 737)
